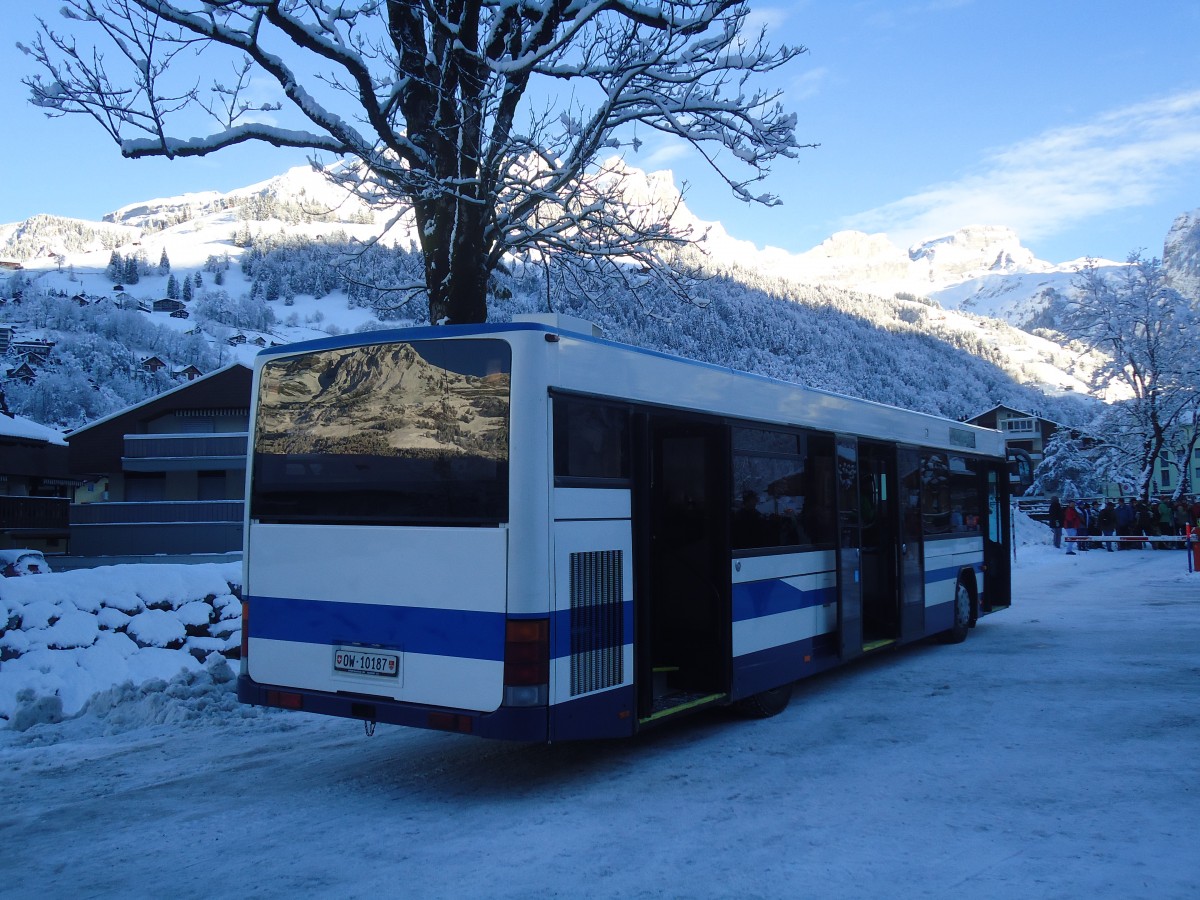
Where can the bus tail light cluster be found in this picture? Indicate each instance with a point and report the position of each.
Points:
(526, 662)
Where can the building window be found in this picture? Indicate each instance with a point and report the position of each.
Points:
(1018, 425)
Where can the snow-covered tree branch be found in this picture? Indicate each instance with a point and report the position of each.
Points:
(487, 117)
(1147, 332)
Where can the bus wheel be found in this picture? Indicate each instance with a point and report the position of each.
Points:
(962, 617)
(764, 705)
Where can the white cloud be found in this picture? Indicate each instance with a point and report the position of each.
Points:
(1042, 186)
(772, 18)
(661, 156)
(807, 85)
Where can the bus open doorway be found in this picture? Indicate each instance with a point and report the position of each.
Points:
(683, 617)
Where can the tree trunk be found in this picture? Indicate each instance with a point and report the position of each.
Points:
(456, 263)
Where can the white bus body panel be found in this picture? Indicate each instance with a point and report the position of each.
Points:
(802, 587)
(944, 560)
(459, 572)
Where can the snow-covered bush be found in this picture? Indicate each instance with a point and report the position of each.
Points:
(66, 636)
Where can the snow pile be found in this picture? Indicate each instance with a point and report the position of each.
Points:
(68, 636)
(1028, 531)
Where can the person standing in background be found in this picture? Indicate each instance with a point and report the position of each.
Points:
(1056, 521)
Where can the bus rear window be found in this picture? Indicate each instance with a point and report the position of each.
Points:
(402, 433)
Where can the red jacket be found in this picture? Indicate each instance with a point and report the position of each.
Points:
(1072, 518)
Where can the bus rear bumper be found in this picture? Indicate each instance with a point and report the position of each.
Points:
(506, 723)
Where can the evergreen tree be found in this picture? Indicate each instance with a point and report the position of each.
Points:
(1066, 469)
(130, 275)
(172, 288)
(187, 290)
(164, 264)
(116, 268)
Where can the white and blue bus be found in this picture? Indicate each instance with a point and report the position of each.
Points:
(527, 531)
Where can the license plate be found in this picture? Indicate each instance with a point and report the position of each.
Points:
(366, 662)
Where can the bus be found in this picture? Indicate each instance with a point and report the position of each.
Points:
(527, 531)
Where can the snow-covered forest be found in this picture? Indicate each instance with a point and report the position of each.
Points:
(125, 307)
(280, 284)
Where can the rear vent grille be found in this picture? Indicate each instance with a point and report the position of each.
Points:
(597, 621)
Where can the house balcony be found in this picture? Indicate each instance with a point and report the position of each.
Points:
(184, 452)
(167, 527)
(31, 515)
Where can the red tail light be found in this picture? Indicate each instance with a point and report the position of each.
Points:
(527, 652)
(245, 629)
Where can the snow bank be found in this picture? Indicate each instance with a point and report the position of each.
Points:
(1029, 532)
(70, 638)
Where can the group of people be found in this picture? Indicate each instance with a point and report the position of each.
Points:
(1138, 518)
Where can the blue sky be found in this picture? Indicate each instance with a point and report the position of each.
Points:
(1076, 122)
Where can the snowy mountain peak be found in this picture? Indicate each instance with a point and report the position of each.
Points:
(1181, 253)
(299, 187)
(975, 250)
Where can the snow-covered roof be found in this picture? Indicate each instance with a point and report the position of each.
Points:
(190, 385)
(21, 427)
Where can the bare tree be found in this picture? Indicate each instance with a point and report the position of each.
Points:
(1147, 332)
(486, 117)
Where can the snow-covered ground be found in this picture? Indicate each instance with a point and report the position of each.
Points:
(1054, 754)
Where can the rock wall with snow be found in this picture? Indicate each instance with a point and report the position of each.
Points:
(1181, 254)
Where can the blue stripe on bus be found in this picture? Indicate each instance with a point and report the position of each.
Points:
(948, 574)
(755, 599)
(560, 634)
(439, 632)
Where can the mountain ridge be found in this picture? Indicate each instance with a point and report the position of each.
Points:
(785, 315)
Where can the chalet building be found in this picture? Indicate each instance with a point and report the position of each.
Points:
(35, 485)
(187, 373)
(153, 364)
(236, 339)
(169, 305)
(174, 468)
(1025, 438)
(23, 372)
(36, 349)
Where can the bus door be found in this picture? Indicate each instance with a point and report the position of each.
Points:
(912, 553)
(996, 586)
(879, 544)
(683, 607)
(850, 624)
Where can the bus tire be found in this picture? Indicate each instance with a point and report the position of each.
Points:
(962, 616)
(766, 704)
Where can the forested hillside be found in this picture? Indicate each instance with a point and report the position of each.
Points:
(244, 277)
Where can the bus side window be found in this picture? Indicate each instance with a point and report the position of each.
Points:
(591, 440)
(778, 500)
(952, 494)
(966, 495)
(935, 494)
